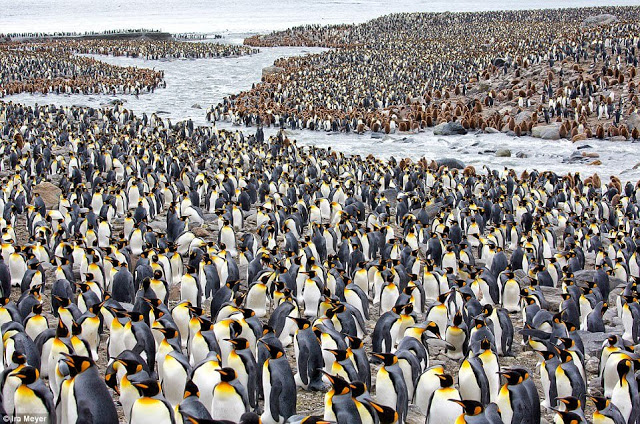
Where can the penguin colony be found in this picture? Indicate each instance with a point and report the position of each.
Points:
(202, 275)
(53, 67)
(507, 71)
(149, 49)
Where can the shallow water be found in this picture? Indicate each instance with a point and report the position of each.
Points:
(207, 81)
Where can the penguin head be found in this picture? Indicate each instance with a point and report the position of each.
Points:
(355, 342)
(358, 388)
(446, 380)
(149, 387)
(18, 358)
(623, 368)
(339, 385)
(77, 364)
(470, 407)
(302, 323)
(275, 352)
(386, 415)
(600, 402)
(130, 365)
(512, 377)
(26, 374)
(388, 359)
(340, 354)
(571, 402)
(239, 343)
(191, 389)
(566, 417)
(227, 374)
(485, 344)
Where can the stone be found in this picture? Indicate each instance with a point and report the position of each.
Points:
(522, 155)
(546, 132)
(196, 106)
(449, 128)
(201, 232)
(618, 138)
(636, 166)
(50, 193)
(450, 163)
(503, 153)
(271, 70)
(583, 146)
(491, 130)
(633, 122)
(602, 19)
(523, 116)
(590, 155)
(579, 137)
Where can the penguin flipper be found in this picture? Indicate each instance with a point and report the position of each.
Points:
(274, 399)
(303, 359)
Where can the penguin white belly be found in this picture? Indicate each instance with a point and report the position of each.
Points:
(226, 404)
(563, 384)
(431, 287)
(441, 410)
(621, 397)
(311, 297)
(173, 378)
(511, 296)
(456, 339)
(206, 378)
(504, 404)
(427, 384)
(627, 323)
(491, 369)
(610, 374)
(146, 410)
(388, 298)
(408, 377)
(8, 394)
(469, 388)
(385, 391)
(189, 290)
(27, 403)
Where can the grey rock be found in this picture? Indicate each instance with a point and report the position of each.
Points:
(618, 138)
(584, 146)
(451, 163)
(196, 106)
(503, 153)
(546, 132)
(525, 115)
(270, 70)
(602, 19)
(50, 194)
(491, 130)
(633, 121)
(377, 136)
(449, 128)
(522, 155)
